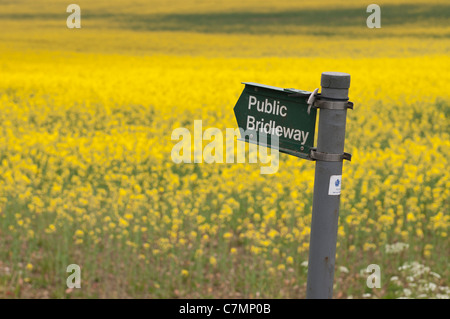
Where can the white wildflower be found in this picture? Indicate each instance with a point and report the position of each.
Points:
(396, 248)
(444, 288)
(407, 292)
(430, 286)
(432, 273)
(343, 269)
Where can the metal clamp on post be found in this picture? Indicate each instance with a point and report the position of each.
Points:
(312, 99)
(327, 157)
(333, 105)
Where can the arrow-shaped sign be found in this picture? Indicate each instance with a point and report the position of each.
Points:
(263, 112)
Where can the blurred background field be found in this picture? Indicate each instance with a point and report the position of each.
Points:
(86, 175)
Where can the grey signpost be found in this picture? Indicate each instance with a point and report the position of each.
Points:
(326, 198)
(291, 115)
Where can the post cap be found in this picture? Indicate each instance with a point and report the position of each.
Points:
(335, 80)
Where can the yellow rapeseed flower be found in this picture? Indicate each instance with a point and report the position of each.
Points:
(78, 233)
(227, 235)
(123, 222)
(281, 267)
(289, 260)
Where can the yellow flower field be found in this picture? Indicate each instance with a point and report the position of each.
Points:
(86, 175)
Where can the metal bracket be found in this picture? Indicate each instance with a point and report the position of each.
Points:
(327, 157)
(315, 101)
(333, 105)
(312, 99)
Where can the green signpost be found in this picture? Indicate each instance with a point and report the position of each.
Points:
(264, 112)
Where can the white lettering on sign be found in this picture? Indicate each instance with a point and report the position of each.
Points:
(266, 107)
(335, 185)
(270, 127)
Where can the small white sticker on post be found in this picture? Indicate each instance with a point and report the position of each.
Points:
(335, 185)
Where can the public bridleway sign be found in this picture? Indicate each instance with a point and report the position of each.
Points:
(285, 119)
(267, 111)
